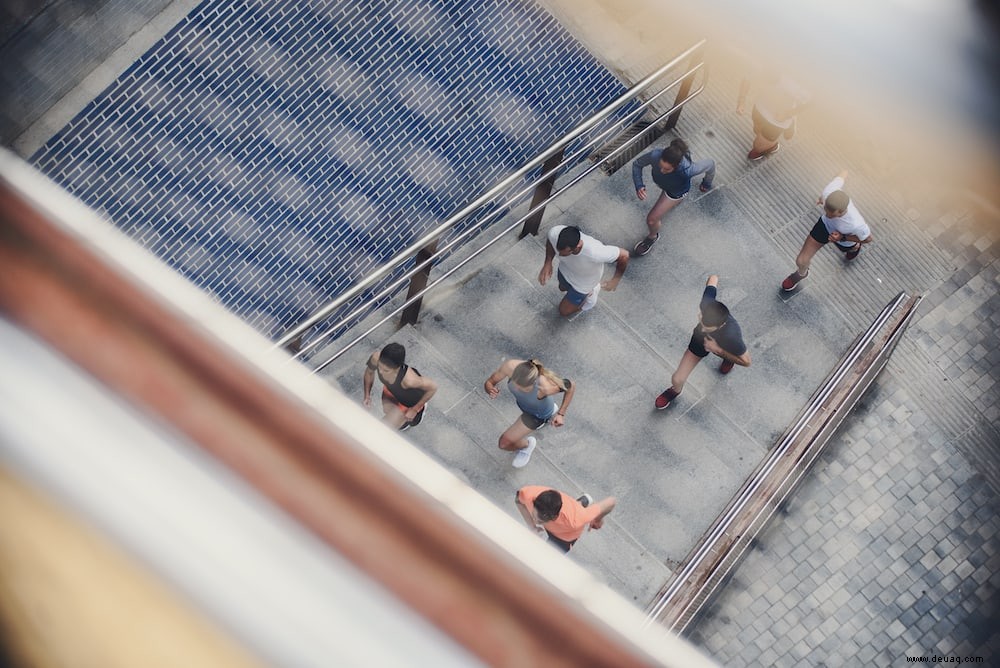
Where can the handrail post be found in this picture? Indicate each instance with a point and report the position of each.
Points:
(418, 282)
(542, 192)
(682, 92)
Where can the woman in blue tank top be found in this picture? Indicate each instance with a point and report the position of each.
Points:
(535, 390)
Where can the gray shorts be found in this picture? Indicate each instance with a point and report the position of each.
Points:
(533, 422)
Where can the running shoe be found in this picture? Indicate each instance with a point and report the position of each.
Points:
(793, 279)
(585, 500)
(726, 366)
(852, 254)
(665, 398)
(644, 246)
(757, 155)
(522, 457)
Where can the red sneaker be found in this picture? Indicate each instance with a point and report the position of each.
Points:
(665, 398)
(726, 367)
(757, 155)
(792, 280)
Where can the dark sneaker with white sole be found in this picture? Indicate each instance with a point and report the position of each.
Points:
(644, 246)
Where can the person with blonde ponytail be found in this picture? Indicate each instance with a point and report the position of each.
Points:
(535, 389)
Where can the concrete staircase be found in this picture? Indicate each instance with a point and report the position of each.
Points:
(672, 471)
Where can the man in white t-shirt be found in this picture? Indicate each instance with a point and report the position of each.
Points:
(581, 267)
(840, 223)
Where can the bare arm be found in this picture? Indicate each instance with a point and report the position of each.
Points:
(503, 372)
(546, 273)
(837, 236)
(559, 419)
(526, 514)
(606, 506)
(714, 348)
(822, 196)
(370, 367)
(620, 264)
(741, 99)
(428, 386)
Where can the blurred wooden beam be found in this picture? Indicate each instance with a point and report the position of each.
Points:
(142, 349)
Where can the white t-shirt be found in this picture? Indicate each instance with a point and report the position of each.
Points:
(584, 270)
(852, 222)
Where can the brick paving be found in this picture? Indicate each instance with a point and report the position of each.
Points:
(891, 548)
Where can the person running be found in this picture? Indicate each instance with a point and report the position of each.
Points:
(405, 392)
(841, 223)
(581, 267)
(561, 518)
(776, 104)
(672, 170)
(534, 388)
(717, 332)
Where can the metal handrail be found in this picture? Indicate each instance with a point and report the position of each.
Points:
(499, 236)
(707, 545)
(789, 484)
(499, 211)
(483, 199)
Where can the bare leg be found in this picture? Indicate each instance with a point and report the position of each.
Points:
(659, 210)
(684, 369)
(567, 308)
(809, 248)
(515, 438)
(393, 416)
(762, 145)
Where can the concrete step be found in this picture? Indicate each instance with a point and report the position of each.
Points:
(462, 425)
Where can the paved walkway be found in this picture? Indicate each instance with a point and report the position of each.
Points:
(891, 547)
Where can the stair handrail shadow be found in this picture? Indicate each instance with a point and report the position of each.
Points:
(425, 249)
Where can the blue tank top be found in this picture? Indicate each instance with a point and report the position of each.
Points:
(543, 409)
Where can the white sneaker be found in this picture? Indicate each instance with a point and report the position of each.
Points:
(522, 457)
(591, 300)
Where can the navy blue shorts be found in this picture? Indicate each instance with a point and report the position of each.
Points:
(575, 298)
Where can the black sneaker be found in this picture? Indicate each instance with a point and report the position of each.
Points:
(585, 500)
(416, 420)
(644, 246)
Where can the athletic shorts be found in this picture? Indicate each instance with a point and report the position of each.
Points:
(764, 127)
(697, 344)
(563, 545)
(386, 394)
(820, 234)
(533, 422)
(572, 296)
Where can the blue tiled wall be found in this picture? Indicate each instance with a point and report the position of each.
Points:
(275, 152)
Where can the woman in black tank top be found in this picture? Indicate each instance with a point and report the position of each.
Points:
(405, 392)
